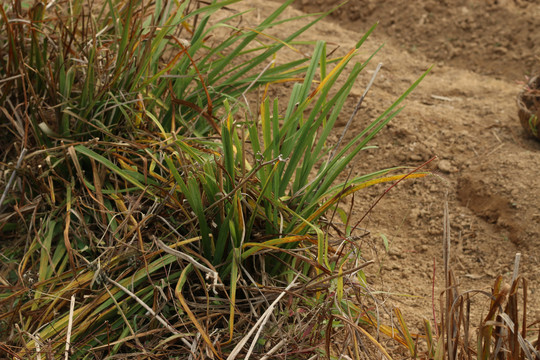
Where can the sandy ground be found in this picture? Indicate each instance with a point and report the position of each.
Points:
(464, 113)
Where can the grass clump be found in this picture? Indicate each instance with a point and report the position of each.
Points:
(155, 213)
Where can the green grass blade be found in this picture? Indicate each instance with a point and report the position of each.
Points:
(122, 173)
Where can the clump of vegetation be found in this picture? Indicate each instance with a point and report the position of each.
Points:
(528, 102)
(150, 209)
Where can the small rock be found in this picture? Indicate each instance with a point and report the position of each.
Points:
(424, 248)
(500, 50)
(446, 166)
(415, 213)
(396, 253)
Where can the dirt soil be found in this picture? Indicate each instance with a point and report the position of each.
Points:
(464, 113)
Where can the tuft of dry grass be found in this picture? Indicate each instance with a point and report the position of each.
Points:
(503, 333)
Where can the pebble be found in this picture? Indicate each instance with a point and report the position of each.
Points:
(423, 248)
(396, 253)
(500, 50)
(415, 157)
(446, 166)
